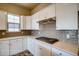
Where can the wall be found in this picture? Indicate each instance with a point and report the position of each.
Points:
(10, 7)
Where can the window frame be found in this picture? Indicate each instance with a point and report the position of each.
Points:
(15, 23)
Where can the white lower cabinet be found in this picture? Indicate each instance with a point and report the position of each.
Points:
(4, 48)
(20, 45)
(39, 48)
(24, 43)
(36, 47)
(57, 52)
(15, 46)
(43, 50)
(31, 45)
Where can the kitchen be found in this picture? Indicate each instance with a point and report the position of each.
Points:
(39, 29)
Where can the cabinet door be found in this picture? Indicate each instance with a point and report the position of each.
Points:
(31, 45)
(26, 22)
(35, 24)
(20, 45)
(24, 43)
(3, 20)
(49, 11)
(23, 22)
(44, 51)
(66, 16)
(4, 48)
(52, 11)
(15, 46)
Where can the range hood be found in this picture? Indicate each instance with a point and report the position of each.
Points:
(48, 21)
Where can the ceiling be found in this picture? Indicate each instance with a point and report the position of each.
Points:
(28, 5)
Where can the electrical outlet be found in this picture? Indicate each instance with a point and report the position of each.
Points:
(68, 36)
(3, 33)
(22, 32)
(38, 32)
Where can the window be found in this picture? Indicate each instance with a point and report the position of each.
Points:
(13, 23)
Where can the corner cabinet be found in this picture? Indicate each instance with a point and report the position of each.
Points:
(26, 23)
(66, 16)
(3, 20)
(15, 46)
(31, 45)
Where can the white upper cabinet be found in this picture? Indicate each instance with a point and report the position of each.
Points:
(35, 24)
(26, 23)
(23, 23)
(3, 20)
(47, 12)
(66, 16)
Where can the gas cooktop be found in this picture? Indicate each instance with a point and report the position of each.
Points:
(48, 40)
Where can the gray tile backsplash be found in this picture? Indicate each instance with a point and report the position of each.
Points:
(49, 30)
